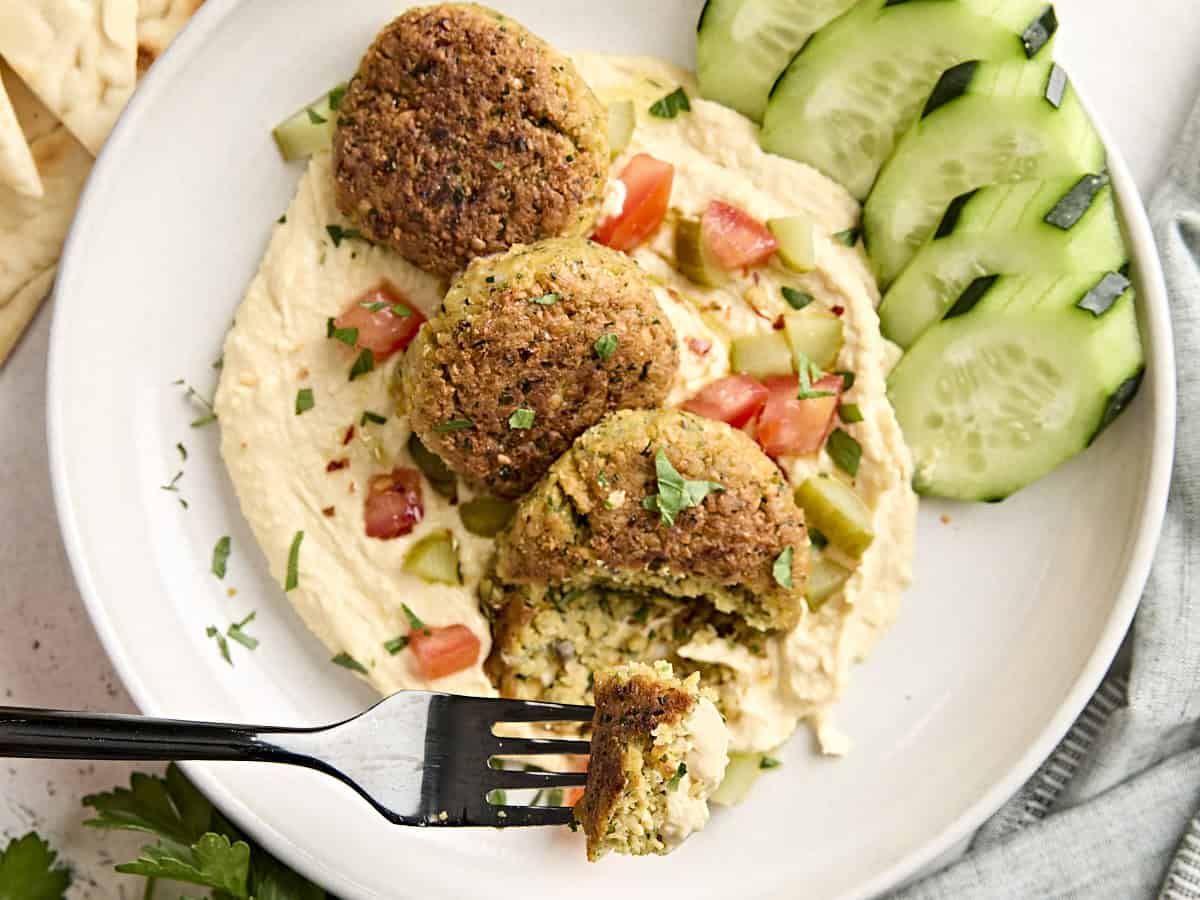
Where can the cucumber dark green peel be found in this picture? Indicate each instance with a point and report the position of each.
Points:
(1118, 402)
(1039, 32)
(703, 13)
(1056, 86)
(953, 84)
(975, 292)
(1108, 290)
(953, 214)
(1070, 209)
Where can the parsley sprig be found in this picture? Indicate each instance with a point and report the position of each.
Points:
(29, 869)
(675, 493)
(671, 105)
(196, 397)
(809, 374)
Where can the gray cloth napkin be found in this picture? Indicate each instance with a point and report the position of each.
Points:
(1115, 812)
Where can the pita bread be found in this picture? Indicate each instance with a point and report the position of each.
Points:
(78, 56)
(32, 230)
(158, 22)
(17, 169)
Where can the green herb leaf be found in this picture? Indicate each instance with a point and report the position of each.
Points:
(606, 345)
(173, 484)
(29, 870)
(848, 379)
(281, 220)
(204, 420)
(236, 633)
(497, 165)
(453, 425)
(673, 781)
(675, 493)
(671, 105)
(223, 645)
(414, 621)
(781, 571)
(372, 417)
(808, 373)
(850, 413)
(213, 861)
(364, 364)
(182, 452)
(845, 451)
(400, 311)
(221, 556)
(818, 539)
(304, 400)
(169, 807)
(796, 298)
(849, 237)
(293, 563)
(545, 299)
(348, 336)
(315, 117)
(335, 97)
(196, 397)
(376, 306)
(396, 644)
(769, 762)
(521, 418)
(346, 661)
(337, 234)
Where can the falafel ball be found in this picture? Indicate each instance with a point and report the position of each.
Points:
(462, 134)
(531, 348)
(610, 513)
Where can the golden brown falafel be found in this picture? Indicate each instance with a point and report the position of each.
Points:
(462, 134)
(531, 348)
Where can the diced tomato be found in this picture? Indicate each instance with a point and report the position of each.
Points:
(736, 239)
(699, 346)
(394, 505)
(734, 400)
(648, 184)
(789, 426)
(572, 795)
(385, 320)
(444, 651)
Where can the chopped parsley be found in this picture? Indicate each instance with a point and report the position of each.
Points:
(769, 762)
(671, 105)
(281, 220)
(675, 493)
(363, 364)
(372, 417)
(673, 781)
(335, 97)
(498, 165)
(219, 362)
(847, 379)
(521, 418)
(182, 452)
(337, 234)
(850, 413)
(374, 306)
(223, 645)
(400, 311)
(849, 237)
(545, 299)
(781, 571)
(396, 644)
(293, 563)
(315, 117)
(845, 451)
(30, 869)
(606, 345)
(818, 538)
(796, 298)
(221, 556)
(196, 397)
(304, 400)
(236, 632)
(346, 661)
(348, 336)
(414, 621)
(453, 425)
(808, 373)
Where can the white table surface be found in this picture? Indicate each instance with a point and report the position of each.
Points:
(1139, 65)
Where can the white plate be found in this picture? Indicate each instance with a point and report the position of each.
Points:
(1016, 611)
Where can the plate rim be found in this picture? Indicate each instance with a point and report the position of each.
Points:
(1155, 308)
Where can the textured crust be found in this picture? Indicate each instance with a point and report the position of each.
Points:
(462, 134)
(493, 350)
(571, 529)
(629, 707)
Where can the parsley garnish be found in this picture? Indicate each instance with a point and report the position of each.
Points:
(845, 451)
(497, 165)
(348, 336)
(847, 379)
(850, 413)
(221, 556)
(673, 781)
(781, 571)
(315, 117)
(606, 345)
(769, 762)
(818, 538)
(335, 97)
(545, 299)
(337, 234)
(396, 644)
(453, 425)
(372, 417)
(219, 362)
(400, 311)
(364, 364)
(223, 645)
(376, 306)
(849, 237)
(237, 634)
(182, 452)
(808, 373)
(346, 661)
(675, 493)
(196, 397)
(796, 298)
(293, 563)
(521, 418)
(304, 400)
(281, 219)
(671, 105)
(29, 870)
(414, 621)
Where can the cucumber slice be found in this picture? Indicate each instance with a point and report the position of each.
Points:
(692, 255)
(486, 516)
(742, 46)
(796, 246)
(434, 558)
(761, 355)
(741, 772)
(622, 120)
(985, 123)
(1020, 378)
(815, 335)
(1058, 225)
(833, 508)
(825, 578)
(310, 128)
(860, 83)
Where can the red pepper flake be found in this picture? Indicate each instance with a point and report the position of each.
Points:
(838, 310)
(337, 464)
(349, 436)
(778, 324)
(328, 512)
(754, 276)
(699, 346)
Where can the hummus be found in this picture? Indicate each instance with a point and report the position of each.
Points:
(351, 589)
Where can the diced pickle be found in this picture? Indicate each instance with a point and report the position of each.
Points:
(310, 128)
(434, 468)
(692, 255)
(741, 773)
(825, 578)
(622, 119)
(833, 508)
(486, 516)
(815, 333)
(434, 558)
(795, 236)
(762, 355)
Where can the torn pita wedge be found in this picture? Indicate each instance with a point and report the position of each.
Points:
(17, 168)
(32, 230)
(78, 56)
(158, 21)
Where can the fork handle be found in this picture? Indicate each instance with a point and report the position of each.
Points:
(58, 734)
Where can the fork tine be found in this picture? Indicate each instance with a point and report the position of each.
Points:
(532, 815)
(517, 779)
(537, 711)
(540, 746)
